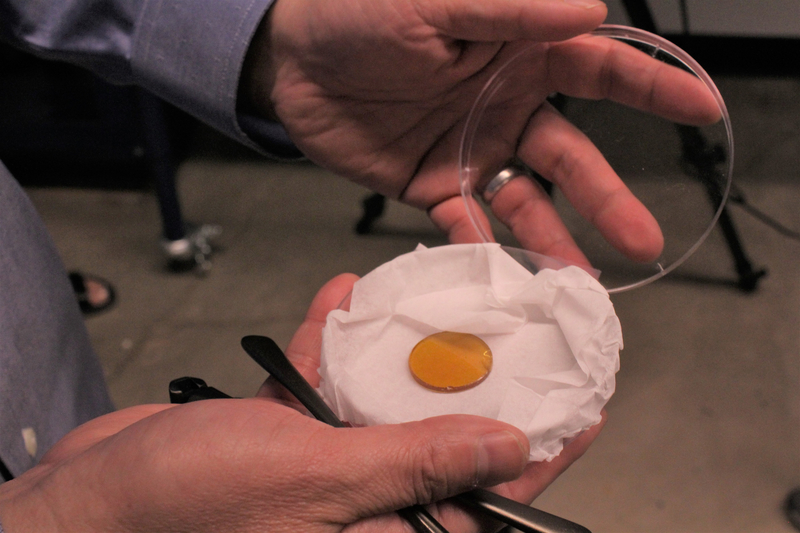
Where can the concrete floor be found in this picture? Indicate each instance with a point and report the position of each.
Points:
(704, 430)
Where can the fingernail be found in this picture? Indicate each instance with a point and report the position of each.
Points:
(586, 4)
(501, 457)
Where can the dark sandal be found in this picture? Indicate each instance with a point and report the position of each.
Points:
(78, 281)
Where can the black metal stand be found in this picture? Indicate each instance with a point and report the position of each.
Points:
(703, 158)
(792, 508)
(693, 148)
(373, 206)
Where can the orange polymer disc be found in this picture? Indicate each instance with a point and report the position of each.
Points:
(450, 362)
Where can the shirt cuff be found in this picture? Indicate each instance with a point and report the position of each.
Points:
(191, 54)
(270, 135)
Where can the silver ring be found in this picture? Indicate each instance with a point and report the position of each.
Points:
(501, 179)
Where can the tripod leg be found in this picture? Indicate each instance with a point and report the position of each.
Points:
(748, 277)
(374, 206)
(792, 508)
(703, 159)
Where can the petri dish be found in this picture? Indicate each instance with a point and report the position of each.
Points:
(679, 169)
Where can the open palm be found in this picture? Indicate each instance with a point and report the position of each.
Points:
(379, 91)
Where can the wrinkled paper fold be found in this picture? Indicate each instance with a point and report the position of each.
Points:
(555, 340)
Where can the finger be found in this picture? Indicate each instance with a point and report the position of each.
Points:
(87, 435)
(534, 480)
(526, 209)
(601, 68)
(452, 218)
(510, 20)
(423, 462)
(306, 344)
(564, 155)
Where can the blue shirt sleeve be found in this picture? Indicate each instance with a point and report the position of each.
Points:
(188, 52)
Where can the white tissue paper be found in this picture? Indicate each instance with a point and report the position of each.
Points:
(554, 337)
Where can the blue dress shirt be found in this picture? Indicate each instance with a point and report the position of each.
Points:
(188, 52)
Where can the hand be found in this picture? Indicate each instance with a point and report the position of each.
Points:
(379, 90)
(258, 465)
(304, 353)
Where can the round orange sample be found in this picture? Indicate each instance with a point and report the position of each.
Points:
(450, 362)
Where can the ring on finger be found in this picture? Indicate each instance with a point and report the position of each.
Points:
(502, 179)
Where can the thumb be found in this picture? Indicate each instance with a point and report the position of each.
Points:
(511, 20)
(427, 461)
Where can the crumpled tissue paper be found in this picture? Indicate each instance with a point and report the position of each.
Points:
(554, 336)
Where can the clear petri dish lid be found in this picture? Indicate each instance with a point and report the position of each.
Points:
(679, 168)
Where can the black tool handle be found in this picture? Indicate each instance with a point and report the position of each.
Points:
(261, 349)
(188, 389)
(522, 517)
